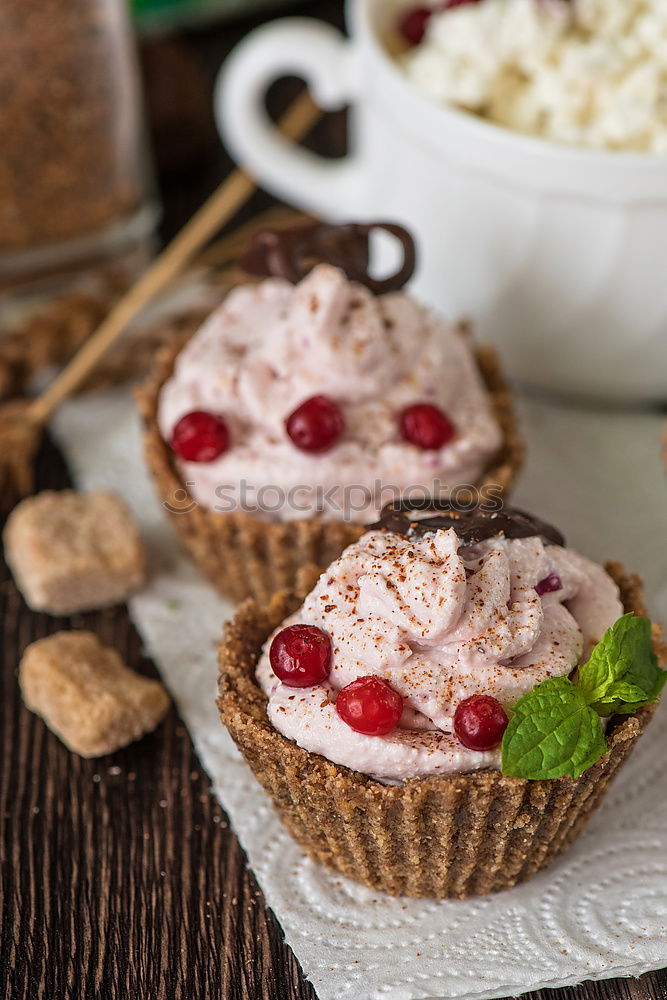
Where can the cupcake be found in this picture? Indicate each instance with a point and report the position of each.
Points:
(310, 398)
(446, 708)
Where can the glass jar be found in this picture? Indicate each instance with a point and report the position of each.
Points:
(74, 183)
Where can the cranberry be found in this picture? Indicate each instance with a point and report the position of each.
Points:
(479, 722)
(369, 705)
(549, 584)
(316, 425)
(426, 426)
(200, 436)
(413, 24)
(300, 656)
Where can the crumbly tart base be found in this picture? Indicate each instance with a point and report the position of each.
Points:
(244, 556)
(445, 836)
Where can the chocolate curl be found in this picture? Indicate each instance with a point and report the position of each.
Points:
(292, 253)
(471, 526)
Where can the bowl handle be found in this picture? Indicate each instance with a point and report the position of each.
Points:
(324, 58)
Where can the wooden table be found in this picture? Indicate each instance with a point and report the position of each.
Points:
(120, 878)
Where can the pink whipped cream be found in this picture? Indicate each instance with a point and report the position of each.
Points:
(272, 345)
(440, 623)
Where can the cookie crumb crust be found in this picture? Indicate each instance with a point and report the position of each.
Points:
(446, 836)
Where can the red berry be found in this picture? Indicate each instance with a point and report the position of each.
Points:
(300, 656)
(371, 706)
(316, 425)
(413, 24)
(549, 584)
(479, 722)
(200, 436)
(426, 426)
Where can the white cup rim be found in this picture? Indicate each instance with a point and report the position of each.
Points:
(362, 18)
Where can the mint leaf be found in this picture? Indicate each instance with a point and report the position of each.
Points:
(624, 692)
(555, 729)
(624, 698)
(552, 733)
(622, 673)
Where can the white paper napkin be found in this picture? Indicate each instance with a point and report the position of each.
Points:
(601, 910)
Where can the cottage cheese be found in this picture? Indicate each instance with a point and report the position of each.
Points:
(589, 73)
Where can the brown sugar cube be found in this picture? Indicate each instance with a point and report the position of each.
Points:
(74, 552)
(86, 694)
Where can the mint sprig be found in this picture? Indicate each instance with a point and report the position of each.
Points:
(556, 729)
(552, 732)
(622, 673)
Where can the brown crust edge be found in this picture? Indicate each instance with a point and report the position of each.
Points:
(244, 556)
(445, 836)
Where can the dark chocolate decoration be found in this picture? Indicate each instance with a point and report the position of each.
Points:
(292, 253)
(471, 526)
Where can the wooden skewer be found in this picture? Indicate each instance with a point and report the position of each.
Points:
(214, 213)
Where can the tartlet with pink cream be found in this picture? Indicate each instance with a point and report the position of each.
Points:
(448, 704)
(310, 398)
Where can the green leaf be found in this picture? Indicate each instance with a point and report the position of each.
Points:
(552, 733)
(555, 729)
(624, 699)
(623, 691)
(622, 673)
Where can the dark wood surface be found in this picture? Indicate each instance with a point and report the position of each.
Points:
(120, 878)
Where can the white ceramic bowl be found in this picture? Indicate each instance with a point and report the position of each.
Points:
(557, 254)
